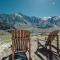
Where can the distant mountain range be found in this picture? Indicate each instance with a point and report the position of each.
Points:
(19, 20)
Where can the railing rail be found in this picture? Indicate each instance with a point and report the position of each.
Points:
(5, 51)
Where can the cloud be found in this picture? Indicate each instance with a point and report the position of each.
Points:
(53, 3)
(45, 18)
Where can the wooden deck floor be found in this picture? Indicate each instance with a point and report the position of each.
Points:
(40, 54)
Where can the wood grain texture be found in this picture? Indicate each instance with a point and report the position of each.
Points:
(21, 42)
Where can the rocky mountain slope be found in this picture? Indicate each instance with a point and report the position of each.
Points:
(18, 20)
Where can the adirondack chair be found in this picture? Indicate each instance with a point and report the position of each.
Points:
(21, 42)
(52, 35)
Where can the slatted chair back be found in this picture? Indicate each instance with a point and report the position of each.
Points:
(52, 36)
(20, 40)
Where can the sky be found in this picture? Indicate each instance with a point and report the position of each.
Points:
(39, 8)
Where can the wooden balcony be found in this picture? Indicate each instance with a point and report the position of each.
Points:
(5, 49)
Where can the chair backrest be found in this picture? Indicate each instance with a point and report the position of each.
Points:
(52, 36)
(20, 39)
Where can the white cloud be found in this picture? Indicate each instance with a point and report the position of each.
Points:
(53, 3)
(45, 18)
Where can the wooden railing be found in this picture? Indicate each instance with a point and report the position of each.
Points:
(5, 52)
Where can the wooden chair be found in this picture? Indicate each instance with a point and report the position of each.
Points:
(21, 42)
(52, 35)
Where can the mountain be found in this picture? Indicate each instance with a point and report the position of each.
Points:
(18, 20)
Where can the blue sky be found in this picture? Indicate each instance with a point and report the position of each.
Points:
(38, 8)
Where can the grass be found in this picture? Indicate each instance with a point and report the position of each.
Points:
(5, 38)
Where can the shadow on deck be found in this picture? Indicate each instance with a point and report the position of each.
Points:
(49, 55)
(18, 56)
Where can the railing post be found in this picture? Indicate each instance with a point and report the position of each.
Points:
(0, 55)
(38, 43)
(50, 46)
(7, 54)
(58, 44)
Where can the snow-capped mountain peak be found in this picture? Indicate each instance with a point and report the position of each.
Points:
(16, 14)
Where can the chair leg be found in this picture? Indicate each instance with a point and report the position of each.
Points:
(29, 51)
(12, 56)
(30, 56)
(12, 53)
